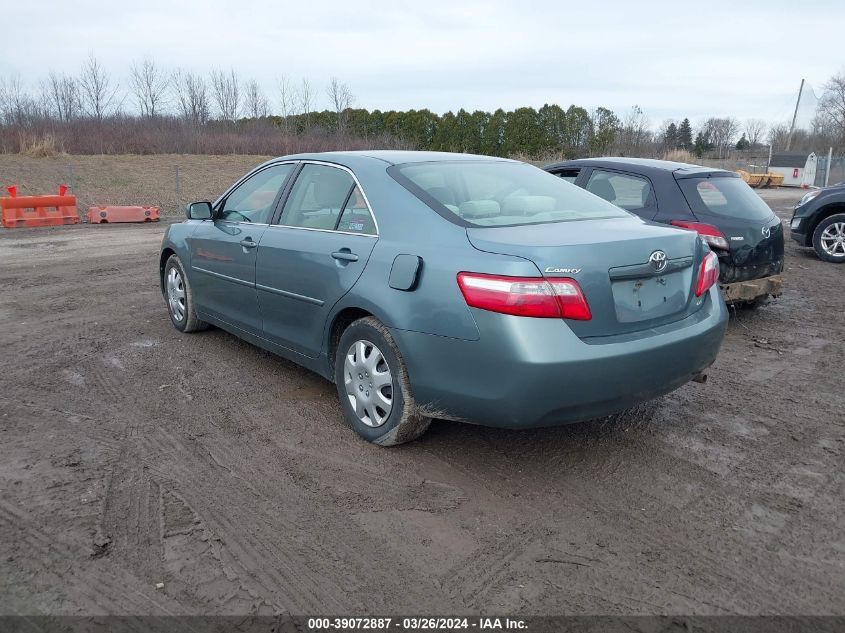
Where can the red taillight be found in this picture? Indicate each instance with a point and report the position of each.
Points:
(713, 236)
(525, 296)
(708, 274)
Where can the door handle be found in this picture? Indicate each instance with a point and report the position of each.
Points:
(248, 243)
(345, 255)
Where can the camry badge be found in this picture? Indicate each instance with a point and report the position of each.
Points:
(568, 271)
(767, 232)
(658, 261)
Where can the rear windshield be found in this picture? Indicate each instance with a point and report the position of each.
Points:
(724, 196)
(499, 193)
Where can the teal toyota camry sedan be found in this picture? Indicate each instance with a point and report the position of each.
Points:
(433, 285)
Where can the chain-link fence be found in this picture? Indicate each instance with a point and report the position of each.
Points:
(166, 181)
(837, 170)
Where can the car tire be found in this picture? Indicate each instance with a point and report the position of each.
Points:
(825, 236)
(373, 386)
(180, 298)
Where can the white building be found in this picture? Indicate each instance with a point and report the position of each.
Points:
(799, 170)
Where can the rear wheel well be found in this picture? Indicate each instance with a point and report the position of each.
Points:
(825, 212)
(342, 320)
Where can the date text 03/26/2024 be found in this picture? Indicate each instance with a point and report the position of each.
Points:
(415, 624)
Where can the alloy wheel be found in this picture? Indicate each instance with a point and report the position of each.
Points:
(176, 294)
(833, 239)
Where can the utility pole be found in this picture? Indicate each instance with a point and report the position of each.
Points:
(794, 116)
(827, 168)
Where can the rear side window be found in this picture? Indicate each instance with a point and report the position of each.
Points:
(499, 193)
(327, 198)
(356, 216)
(725, 196)
(624, 190)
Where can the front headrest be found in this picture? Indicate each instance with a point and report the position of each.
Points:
(603, 189)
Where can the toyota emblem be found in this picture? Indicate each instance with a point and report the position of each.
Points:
(658, 261)
(767, 232)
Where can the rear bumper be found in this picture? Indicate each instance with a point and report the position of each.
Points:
(526, 372)
(752, 289)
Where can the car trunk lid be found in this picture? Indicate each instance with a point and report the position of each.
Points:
(610, 260)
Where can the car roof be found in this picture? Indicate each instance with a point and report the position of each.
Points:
(392, 157)
(645, 166)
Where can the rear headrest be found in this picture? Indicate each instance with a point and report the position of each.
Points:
(478, 208)
(527, 205)
(603, 189)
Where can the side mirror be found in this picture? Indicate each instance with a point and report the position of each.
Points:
(198, 211)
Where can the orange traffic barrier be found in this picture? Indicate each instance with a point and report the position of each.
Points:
(107, 215)
(29, 211)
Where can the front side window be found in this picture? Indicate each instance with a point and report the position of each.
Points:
(325, 197)
(499, 193)
(624, 190)
(253, 200)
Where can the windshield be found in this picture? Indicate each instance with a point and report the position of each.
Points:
(724, 196)
(499, 193)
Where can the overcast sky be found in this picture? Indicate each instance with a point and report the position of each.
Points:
(674, 59)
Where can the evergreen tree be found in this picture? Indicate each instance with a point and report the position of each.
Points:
(670, 137)
(702, 144)
(743, 143)
(685, 135)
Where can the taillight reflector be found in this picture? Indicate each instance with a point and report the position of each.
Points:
(712, 235)
(708, 274)
(525, 296)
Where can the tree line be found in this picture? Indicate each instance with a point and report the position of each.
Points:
(185, 111)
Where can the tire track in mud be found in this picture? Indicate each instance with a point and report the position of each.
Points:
(325, 576)
(93, 589)
(610, 503)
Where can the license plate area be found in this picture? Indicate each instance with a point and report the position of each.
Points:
(650, 297)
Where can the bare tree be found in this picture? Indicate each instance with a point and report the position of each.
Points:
(727, 130)
(226, 91)
(15, 103)
(98, 91)
(255, 101)
(287, 99)
(341, 99)
(778, 134)
(832, 107)
(305, 97)
(61, 92)
(149, 85)
(721, 132)
(634, 134)
(755, 131)
(191, 96)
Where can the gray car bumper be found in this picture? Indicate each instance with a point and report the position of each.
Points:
(526, 372)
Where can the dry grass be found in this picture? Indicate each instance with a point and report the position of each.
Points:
(680, 156)
(44, 146)
(127, 180)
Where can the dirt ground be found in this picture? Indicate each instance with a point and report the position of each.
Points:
(133, 455)
(168, 181)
